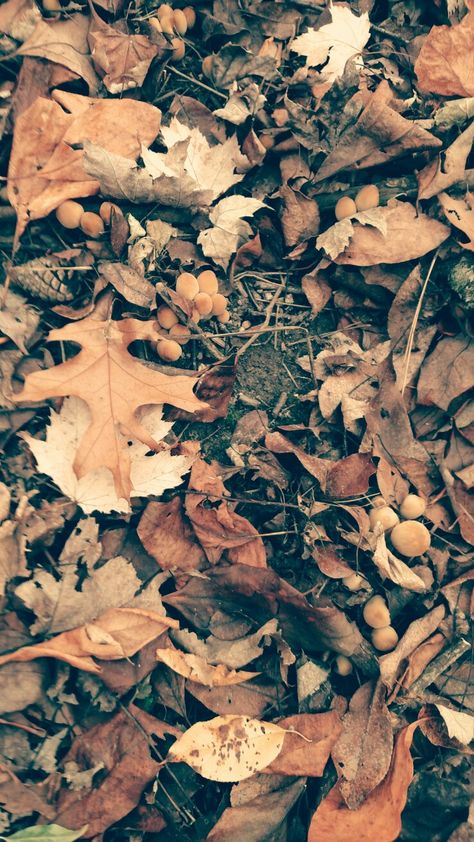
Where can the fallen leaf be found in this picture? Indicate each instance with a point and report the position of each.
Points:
(117, 634)
(379, 134)
(447, 372)
(379, 817)
(460, 725)
(230, 230)
(393, 568)
(228, 748)
(198, 670)
(315, 465)
(445, 64)
(129, 283)
(335, 43)
(363, 752)
(18, 18)
(250, 699)
(114, 385)
(408, 236)
(168, 537)
(121, 59)
(122, 745)
(330, 563)
(299, 216)
(460, 212)
(349, 477)
(255, 817)
(307, 756)
(317, 291)
(18, 320)
(64, 41)
(219, 528)
(449, 168)
(43, 173)
(235, 653)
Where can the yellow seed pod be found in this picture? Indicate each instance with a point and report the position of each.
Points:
(165, 317)
(164, 11)
(187, 285)
(190, 16)
(207, 281)
(219, 304)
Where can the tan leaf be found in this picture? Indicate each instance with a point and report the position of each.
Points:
(114, 385)
(379, 817)
(168, 537)
(64, 41)
(445, 64)
(447, 372)
(117, 634)
(409, 235)
(306, 756)
(394, 568)
(415, 634)
(460, 212)
(121, 59)
(228, 748)
(46, 167)
(448, 168)
(197, 669)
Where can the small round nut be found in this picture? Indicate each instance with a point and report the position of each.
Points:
(187, 285)
(219, 304)
(207, 281)
(345, 207)
(410, 538)
(385, 516)
(342, 665)
(69, 214)
(92, 224)
(106, 209)
(179, 49)
(179, 22)
(169, 350)
(190, 16)
(165, 317)
(354, 582)
(384, 639)
(180, 333)
(376, 613)
(412, 507)
(224, 317)
(203, 303)
(368, 197)
(206, 66)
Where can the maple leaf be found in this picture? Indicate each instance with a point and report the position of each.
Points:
(121, 58)
(336, 42)
(230, 229)
(114, 385)
(95, 491)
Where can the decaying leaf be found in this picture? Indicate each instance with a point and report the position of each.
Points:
(460, 725)
(114, 385)
(449, 168)
(197, 669)
(306, 756)
(228, 748)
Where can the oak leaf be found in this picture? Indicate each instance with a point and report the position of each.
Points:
(114, 385)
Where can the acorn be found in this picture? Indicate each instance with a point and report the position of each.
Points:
(412, 507)
(376, 613)
(385, 516)
(207, 281)
(410, 538)
(165, 317)
(367, 198)
(384, 639)
(187, 285)
(219, 304)
(69, 214)
(92, 224)
(169, 350)
(345, 207)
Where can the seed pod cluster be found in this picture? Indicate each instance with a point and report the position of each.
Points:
(367, 198)
(174, 23)
(408, 537)
(71, 215)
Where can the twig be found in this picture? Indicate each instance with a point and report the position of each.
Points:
(407, 186)
(413, 326)
(439, 665)
(196, 82)
(261, 328)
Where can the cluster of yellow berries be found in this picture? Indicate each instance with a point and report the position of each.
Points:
(174, 23)
(203, 292)
(71, 214)
(368, 197)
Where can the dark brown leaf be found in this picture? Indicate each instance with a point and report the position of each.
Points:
(350, 476)
(169, 538)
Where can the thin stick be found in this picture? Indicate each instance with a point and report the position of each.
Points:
(196, 82)
(411, 335)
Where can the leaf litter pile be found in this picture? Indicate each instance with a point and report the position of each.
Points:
(236, 353)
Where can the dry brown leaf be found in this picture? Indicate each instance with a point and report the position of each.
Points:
(250, 699)
(447, 372)
(121, 59)
(414, 636)
(46, 167)
(299, 216)
(317, 291)
(317, 467)
(198, 670)
(117, 634)
(460, 212)
(308, 756)
(18, 18)
(169, 538)
(219, 528)
(64, 41)
(445, 64)
(330, 563)
(114, 385)
(393, 568)
(409, 235)
(379, 817)
(228, 748)
(379, 135)
(449, 168)
(350, 477)
(363, 751)
(122, 746)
